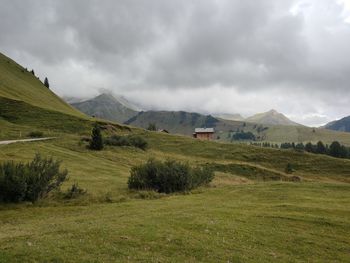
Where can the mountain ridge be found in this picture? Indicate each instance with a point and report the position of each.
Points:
(339, 125)
(106, 106)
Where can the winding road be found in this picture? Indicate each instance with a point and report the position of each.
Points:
(26, 140)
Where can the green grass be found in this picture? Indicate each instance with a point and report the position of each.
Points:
(233, 220)
(19, 84)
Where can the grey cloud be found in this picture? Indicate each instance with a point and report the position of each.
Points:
(262, 48)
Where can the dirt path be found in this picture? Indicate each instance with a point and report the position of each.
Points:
(26, 140)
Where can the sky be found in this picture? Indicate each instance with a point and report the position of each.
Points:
(207, 56)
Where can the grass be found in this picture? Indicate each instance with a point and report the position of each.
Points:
(234, 220)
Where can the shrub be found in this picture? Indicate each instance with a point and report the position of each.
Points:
(130, 140)
(96, 142)
(35, 134)
(30, 181)
(152, 127)
(74, 192)
(289, 168)
(167, 177)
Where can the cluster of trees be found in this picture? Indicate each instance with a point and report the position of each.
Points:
(168, 177)
(96, 142)
(335, 149)
(238, 136)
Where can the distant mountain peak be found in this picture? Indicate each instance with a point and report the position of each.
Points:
(271, 117)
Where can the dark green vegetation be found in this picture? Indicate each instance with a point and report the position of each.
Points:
(335, 149)
(30, 181)
(127, 140)
(340, 125)
(253, 211)
(107, 107)
(35, 134)
(96, 142)
(168, 177)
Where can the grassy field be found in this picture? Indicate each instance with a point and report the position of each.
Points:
(238, 218)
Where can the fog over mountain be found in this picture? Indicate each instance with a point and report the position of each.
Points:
(219, 56)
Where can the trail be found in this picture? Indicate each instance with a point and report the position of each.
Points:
(26, 140)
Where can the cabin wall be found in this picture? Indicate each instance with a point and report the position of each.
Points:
(204, 136)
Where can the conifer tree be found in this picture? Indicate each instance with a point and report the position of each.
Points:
(96, 142)
(46, 83)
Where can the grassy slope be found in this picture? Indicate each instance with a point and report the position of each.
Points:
(230, 221)
(19, 84)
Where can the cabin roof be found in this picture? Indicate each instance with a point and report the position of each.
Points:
(204, 130)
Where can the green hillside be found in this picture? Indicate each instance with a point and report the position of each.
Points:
(253, 211)
(179, 122)
(19, 84)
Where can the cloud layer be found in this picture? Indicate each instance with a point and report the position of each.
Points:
(207, 56)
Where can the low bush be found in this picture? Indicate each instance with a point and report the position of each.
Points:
(168, 177)
(35, 134)
(129, 140)
(289, 168)
(30, 181)
(74, 192)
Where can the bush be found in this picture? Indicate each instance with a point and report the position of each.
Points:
(289, 168)
(74, 192)
(130, 140)
(30, 181)
(35, 134)
(167, 177)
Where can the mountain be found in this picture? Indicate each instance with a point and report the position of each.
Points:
(271, 117)
(230, 117)
(339, 125)
(18, 83)
(180, 122)
(106, 106)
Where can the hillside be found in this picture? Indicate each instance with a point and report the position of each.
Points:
(105, 106)
(271, 117)
(179, 122)
(230, 117)
(185, 123)
(339, 125)
(19, 84)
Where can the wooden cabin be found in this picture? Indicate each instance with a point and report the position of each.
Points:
(204, 133)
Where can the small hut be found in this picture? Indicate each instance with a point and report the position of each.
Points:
(204, 133)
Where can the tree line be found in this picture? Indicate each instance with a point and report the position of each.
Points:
(335, 149)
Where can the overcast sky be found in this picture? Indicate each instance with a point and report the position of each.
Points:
(224, 56)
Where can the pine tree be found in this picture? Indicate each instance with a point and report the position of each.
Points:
(320, 148)
(46, 83)
(335, 149)
(96, 142)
